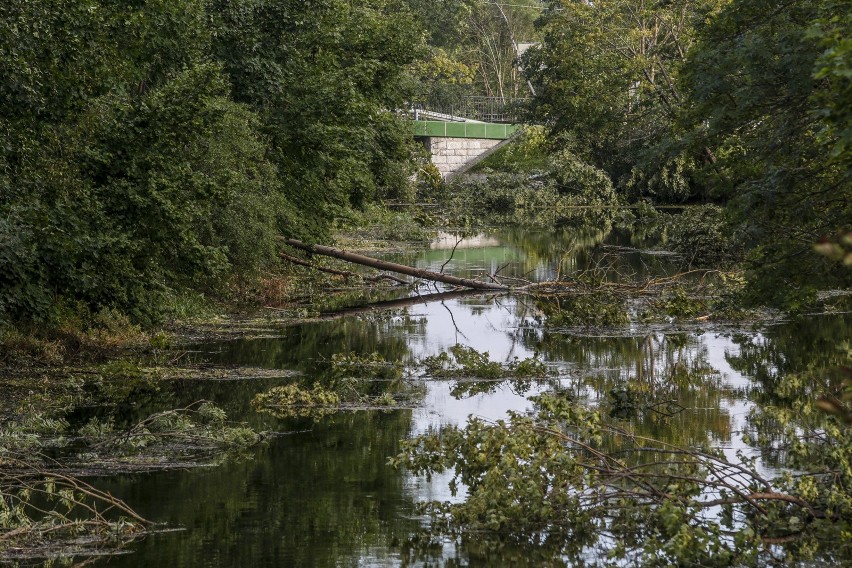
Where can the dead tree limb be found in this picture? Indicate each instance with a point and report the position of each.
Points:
(296, 260)
(344, 273)
(394, 267)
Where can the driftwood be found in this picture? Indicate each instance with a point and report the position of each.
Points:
(394, 267)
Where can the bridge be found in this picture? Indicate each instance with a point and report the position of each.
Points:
(461, 135)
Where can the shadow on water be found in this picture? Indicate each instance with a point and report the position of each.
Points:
(322, 495)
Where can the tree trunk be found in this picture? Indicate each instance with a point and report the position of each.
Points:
(393, 267)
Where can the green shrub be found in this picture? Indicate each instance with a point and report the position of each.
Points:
(528, 153)
(704, 237)
(595, 309)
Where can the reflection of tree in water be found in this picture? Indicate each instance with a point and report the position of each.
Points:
(790, 374)
(547, 247)
(791, 347)
(663, 381)
(784, 421)
(659, 384)
(482, 549)
(568, 251)
(333, 300)
(309, 347)
(308, 499)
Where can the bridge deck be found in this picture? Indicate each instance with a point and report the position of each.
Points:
(441, 129)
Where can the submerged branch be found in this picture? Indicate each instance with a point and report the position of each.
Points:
(51, 514)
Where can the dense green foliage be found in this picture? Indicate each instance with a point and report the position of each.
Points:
(150, 148)
(324, 75)
(742, 102)
(606, 84)
(760, 96)
(473, 49)
(528, 153)
(569, 191)
(588, 488)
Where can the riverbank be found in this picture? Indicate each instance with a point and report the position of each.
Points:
(623, 324)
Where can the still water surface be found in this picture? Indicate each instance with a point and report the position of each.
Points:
(321, 493)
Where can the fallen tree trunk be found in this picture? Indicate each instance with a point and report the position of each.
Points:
(394, 267)
(344, 273)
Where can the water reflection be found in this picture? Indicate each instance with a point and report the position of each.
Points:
(323, 495)
(320, 497)
(541, 256)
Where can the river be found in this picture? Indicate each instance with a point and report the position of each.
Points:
(320, 493)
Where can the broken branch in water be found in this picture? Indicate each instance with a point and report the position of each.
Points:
(577, 284)
(55, 514)
(393, 267)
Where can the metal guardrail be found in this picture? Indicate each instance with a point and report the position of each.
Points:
(484, 109)
(423, 114)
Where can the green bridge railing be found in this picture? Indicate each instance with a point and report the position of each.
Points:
(437, 128)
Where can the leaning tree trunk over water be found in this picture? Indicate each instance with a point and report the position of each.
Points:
(394, 267)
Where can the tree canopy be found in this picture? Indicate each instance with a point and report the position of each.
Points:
(740, 102)
(154, 147)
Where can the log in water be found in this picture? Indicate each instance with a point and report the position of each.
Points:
(394, 267)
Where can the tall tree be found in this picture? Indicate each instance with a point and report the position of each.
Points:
(482, 36)
(606, 76)
(768, 93)
(127, 171)
(326, 77)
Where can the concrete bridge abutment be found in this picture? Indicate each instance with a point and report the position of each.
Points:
(457, 146)
(452, 155)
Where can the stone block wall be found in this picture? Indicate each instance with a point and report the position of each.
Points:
(452, 154)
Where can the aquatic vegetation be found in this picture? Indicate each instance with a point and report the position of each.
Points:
(596, 309)
(365, 382)
(371, 366)
(317, 401)
(529, 368)
(353, 382)
(58, 515)
(564, 476)
(183, 437)
(463, 361)
(467, 362)
(293, 400)
(474, 373)
(47, 511)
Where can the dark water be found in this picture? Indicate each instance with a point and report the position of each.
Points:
(321, 493)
